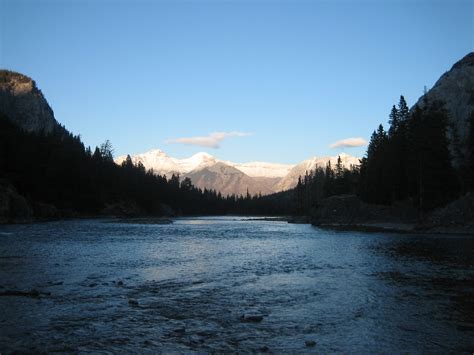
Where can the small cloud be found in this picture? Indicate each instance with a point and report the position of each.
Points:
(213, 140)
(349, 143)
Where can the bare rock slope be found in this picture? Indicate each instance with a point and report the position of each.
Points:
(456, 89)
(23, 103)
(227, 180)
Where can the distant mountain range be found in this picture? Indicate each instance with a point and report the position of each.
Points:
(206, 171)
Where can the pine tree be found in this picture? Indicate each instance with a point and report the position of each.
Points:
(434, 181)
(339, 168)
(106, 151)
(393, 121)
(403, 111)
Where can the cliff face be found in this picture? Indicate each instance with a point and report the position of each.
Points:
(23, 103)
(456, 89)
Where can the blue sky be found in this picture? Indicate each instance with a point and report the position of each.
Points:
(297, 75)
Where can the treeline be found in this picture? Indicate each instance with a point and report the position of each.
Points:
(410, 162)
(322, 183)
(57, 169)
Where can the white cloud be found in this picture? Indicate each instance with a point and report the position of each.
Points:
(349, 143)
(213, 140)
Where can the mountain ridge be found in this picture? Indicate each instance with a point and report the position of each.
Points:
(257, 177)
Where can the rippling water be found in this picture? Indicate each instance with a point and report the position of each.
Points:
(185, 287)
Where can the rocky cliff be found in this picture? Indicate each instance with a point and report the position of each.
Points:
(23, 103)
(456, 89)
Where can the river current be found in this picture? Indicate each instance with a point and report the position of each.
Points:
(226, 284)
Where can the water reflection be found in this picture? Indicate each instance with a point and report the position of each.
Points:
(225, 284)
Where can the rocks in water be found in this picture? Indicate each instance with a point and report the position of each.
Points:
(133, 302)
(310, 343)
(251, 318)
(180, 330)
(32, 293)
(57, 283)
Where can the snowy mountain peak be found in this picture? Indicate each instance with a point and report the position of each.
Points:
(233, 177)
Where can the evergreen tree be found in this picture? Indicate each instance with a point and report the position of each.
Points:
(403, 111)
(339, 168)
(393, 121)
(106, 151)
(434, 182)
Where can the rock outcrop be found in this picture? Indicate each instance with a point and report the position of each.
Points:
(23, 103)
(456, 217)
(456, 89)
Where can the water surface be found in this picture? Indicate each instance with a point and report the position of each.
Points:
(185, 287)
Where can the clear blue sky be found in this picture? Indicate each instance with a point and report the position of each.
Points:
(298, 75)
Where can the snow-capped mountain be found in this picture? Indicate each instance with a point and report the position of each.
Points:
(206, 171)
(262, 169)
(161, 164)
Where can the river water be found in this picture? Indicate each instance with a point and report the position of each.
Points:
(229, 284)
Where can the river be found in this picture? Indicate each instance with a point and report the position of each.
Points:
(223, 284)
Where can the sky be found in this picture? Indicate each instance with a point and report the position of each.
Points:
(277, 81)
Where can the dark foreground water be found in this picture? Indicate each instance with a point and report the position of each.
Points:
(185, 287)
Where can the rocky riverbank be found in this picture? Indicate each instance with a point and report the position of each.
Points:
(349, 213)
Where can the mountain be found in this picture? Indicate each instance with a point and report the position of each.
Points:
(209, 172)
(23, 103)
(291, 179)
(227, 180)
(206, 171)
(163, 164)
(263, 169)
(456, 89)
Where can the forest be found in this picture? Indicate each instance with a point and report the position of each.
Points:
(57, 169)
(410, 162)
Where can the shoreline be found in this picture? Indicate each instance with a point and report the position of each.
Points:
(368, 227)
(398, 228)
